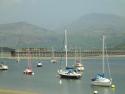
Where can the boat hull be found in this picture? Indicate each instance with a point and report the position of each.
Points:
(39, 65)
(80, 68)
(3, 67)
(105, 82)
(69, 77)
(28, 72)
(53, 61)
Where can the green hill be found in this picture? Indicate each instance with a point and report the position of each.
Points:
(22, 34)
(88, 30)
(85, 33)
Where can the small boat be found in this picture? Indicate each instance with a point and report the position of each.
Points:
(39, 64)
(18, 57)
(79, 66)
(28, 70)
(53, 60)
(100, 79)
(3, 67)
(68, 72)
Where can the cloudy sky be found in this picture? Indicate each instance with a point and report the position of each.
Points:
(54, 13)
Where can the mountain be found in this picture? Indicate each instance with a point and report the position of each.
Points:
(22, 34)
(85, 32)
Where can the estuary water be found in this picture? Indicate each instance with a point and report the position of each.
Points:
(45, 80)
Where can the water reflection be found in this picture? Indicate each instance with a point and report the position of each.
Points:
(45, 80)
(103, 90)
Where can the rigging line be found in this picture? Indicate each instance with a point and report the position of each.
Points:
(60, 62)
(107, 59)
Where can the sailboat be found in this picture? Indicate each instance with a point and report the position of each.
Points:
(100, 79)
(2, 65)
(78, 65)
(39, 64)
(68, 72)
(28, 70)
(53, 60)
(18, 57)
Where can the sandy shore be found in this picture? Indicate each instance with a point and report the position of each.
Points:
(7, 91)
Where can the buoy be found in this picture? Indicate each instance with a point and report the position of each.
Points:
(33, 73)
(113, 86)
(60, 82)
(95, 92)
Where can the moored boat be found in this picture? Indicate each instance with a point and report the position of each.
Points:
(39, 64)
(28, 70)
(3, 67)
(68, 72)
(79, 66)
(100, 79)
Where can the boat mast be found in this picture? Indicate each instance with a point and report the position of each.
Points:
(66, 45)
(18, 57)
(52, 53)
(75, 56)
(29, 59)
(80, 55)
(103, 53)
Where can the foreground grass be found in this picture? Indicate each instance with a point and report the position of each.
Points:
(6, 91)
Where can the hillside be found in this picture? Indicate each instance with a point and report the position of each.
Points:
(22, 34)
(86, 33)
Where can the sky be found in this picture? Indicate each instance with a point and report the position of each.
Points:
(52, 14)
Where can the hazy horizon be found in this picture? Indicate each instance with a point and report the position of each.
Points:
(52, 14)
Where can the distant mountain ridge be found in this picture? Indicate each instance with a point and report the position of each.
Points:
(90, 28)
(86, 33)
(22, 34)
(99, 22)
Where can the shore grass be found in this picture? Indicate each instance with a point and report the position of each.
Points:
(7, 91)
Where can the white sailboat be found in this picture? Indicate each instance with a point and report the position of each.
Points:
(39, 64)
(68, 72)
(78, 65)
(100, 79)
(28, 70)
(18, 57)
(53, 60)
(2, 65)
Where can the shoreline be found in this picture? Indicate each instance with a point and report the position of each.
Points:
(11, 91)
(58, 58)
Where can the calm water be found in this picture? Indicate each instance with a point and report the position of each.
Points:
(45, 81)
